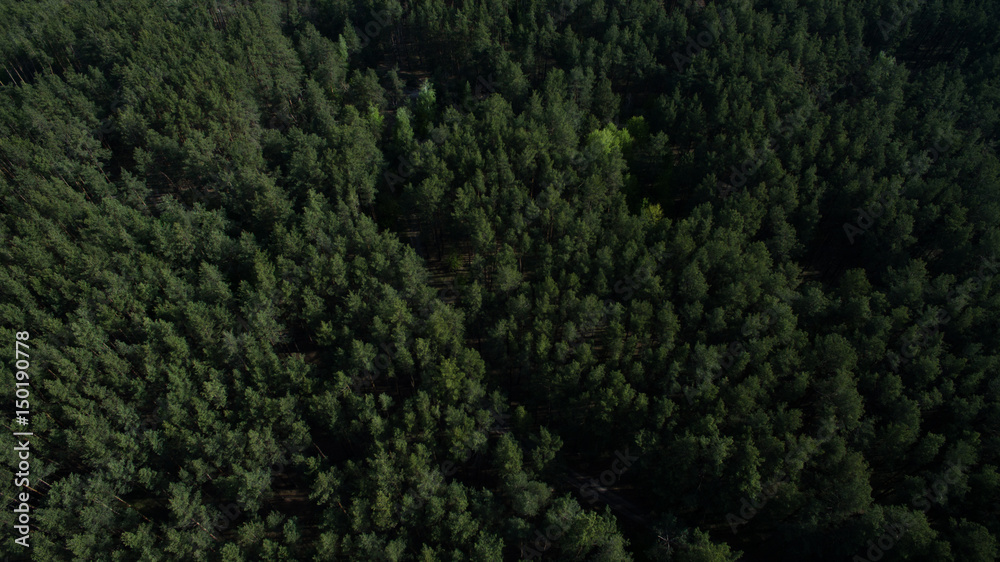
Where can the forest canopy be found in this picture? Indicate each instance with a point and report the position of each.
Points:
(498, 280)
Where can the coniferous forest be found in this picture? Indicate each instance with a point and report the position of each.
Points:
(424, 280)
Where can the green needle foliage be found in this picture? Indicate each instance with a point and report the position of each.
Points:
(489, 280)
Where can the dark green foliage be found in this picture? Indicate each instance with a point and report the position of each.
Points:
(315, 280)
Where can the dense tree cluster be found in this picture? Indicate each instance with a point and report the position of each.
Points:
(578, 280)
